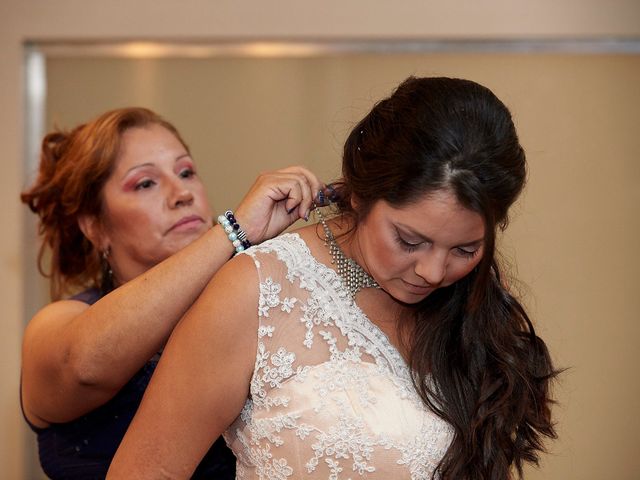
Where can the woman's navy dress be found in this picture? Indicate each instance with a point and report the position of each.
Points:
(83, 448)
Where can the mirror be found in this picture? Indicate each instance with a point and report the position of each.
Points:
(249, 107)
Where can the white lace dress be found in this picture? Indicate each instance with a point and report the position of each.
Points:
(331, 397)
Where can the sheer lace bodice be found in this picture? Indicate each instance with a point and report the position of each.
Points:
(331, 397)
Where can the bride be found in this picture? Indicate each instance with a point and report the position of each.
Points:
(378, 343)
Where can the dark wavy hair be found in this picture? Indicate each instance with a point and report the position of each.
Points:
(476, 358)
(74, 166)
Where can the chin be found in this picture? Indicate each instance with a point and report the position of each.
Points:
(415, 299)
(178, 245)
(407, 298)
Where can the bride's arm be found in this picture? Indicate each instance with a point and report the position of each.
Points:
(201, 382)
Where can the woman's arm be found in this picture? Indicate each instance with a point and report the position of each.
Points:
(76, 357)
(201, 383)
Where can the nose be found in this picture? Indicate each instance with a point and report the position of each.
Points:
(432, 267)
(180, 195)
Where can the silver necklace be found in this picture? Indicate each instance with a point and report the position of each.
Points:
(351, 273)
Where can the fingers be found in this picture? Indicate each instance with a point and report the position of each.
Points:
(296, 186)
(303, 193)
(276, 200)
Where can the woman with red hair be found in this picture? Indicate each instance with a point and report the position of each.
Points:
(126, 222)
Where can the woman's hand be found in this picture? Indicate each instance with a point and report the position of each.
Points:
(276, 200)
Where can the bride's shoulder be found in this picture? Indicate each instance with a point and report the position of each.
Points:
(313, 237)
(292, 248)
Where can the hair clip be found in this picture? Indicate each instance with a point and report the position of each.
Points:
(332, 193)
(326, 196)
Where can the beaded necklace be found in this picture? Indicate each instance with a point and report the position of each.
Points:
(353, 275)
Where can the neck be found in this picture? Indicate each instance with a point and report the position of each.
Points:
(354, 276)
(345, 232)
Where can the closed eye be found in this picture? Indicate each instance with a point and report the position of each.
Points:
(405, 245)
(463, 252)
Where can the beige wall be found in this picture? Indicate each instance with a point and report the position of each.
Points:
(572, 239)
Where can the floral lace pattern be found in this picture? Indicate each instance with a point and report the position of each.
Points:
(330, 396)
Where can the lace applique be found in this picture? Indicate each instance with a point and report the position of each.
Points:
(269, 292)
(265, 331)
(341, 377)
(273, 371)
(314, 315)
(288, 303)
(268, 467)
(346, 440)
(330, 395)
(423, 452)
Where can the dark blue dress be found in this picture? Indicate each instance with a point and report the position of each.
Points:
(83, 448)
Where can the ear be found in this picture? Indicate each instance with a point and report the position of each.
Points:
(91, 227)
(355, 202)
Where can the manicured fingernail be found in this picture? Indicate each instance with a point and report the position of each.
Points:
(320, 197)
(306, 216)
(291, 210)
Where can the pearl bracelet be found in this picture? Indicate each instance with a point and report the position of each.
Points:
(234, 233)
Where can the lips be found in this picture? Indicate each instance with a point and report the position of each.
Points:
(190, 222)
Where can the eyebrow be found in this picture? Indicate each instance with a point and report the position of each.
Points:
(411, 231)
(149, 164)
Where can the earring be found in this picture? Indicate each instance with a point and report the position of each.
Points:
(107, 274)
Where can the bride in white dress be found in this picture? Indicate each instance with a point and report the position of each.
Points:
(379, 343)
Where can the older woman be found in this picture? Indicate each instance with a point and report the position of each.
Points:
(128, 226)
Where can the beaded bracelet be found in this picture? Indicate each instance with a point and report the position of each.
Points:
(235, 234)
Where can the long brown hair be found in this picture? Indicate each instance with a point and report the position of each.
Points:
(476, 358)
(74, 166)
